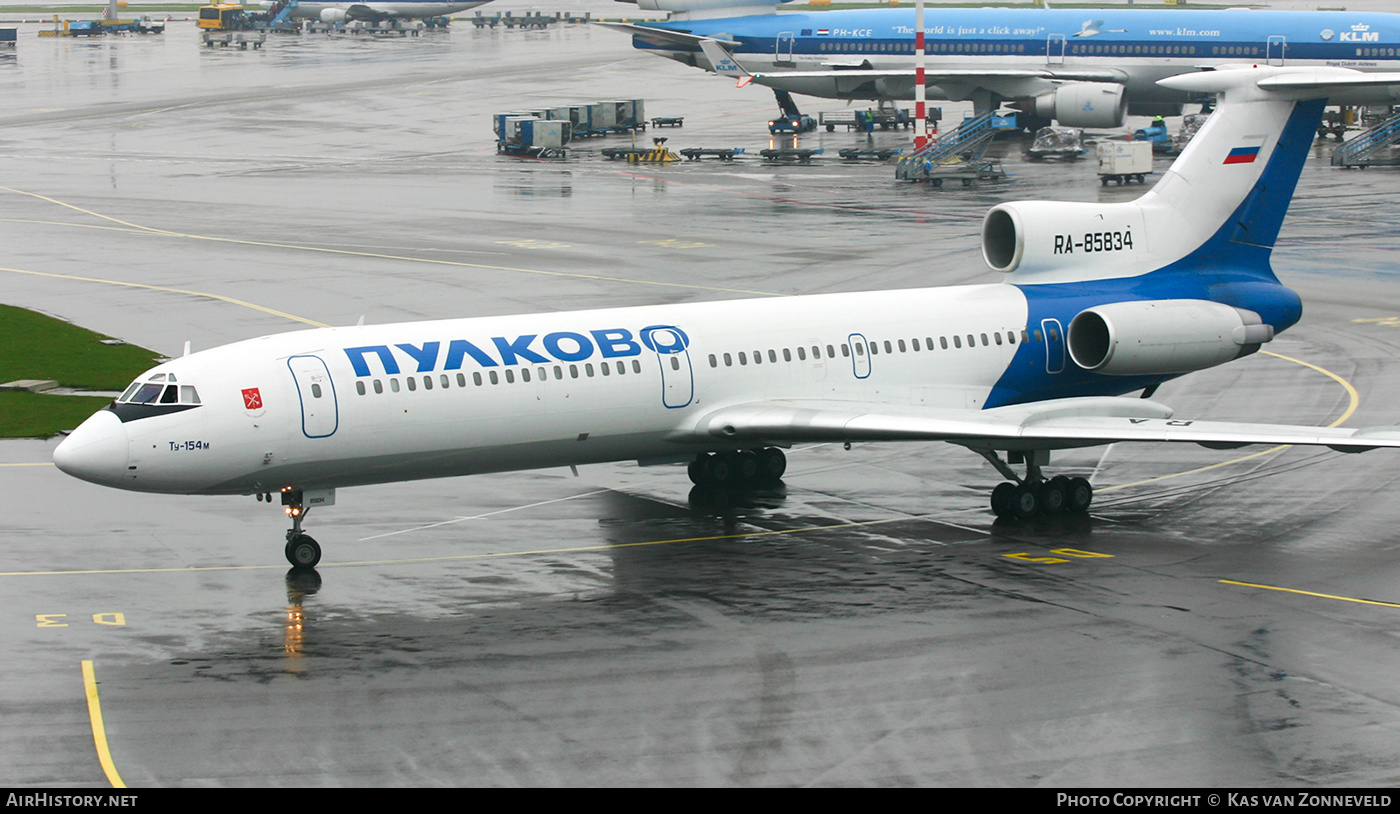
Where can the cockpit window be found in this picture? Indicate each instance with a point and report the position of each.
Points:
(147, 394)
(155, 391)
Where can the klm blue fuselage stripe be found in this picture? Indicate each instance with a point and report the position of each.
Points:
(1039, 32)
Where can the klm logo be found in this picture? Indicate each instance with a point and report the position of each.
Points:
(1360, 33)
(527, 349)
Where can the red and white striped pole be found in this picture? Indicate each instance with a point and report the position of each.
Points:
(920, 129)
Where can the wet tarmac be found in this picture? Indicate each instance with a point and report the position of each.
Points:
(1219, 619)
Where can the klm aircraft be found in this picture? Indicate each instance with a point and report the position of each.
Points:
(1083, 68)
(1096, 301)
(338, 11)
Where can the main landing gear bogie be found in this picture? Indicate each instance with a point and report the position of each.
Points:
(1058, 495)
(1023, 498)
(738, 468)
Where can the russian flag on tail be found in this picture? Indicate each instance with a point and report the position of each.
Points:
(1247, 151)
(1242, 155)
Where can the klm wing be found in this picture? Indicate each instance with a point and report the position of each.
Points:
(665, 36)
(943, 75)
(858, 79)
(863, 81)
(1057, 424)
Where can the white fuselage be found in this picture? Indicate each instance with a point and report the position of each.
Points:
(533, 395)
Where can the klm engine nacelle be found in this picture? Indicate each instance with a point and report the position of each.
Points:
(1160, 337)
(334, 15)
(1084, 104)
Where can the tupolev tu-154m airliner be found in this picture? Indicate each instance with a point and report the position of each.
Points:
(1095, 301)
(1082, 68)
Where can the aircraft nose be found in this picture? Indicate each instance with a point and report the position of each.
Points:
(96, 451)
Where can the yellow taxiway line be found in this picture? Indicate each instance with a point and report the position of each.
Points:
(99, 730)
(1312, 593)
(1352, 395)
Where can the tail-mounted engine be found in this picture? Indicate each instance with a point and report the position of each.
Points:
(1084, 104)
(1044, 241)
(1163, 336)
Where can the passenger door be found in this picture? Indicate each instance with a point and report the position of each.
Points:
(860, 356)
(673, 355)
(782, 51)
(320, 416)
(1054, 345)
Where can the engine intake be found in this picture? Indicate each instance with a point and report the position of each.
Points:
(1084, 104)
(1159, 337)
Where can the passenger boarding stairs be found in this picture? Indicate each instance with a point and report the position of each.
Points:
(1370, 147)
(281, 10)
(952, 153)
(957, 154)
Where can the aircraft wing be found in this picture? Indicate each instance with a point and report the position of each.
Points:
(963, 75)
(1056, 424)
(665, 36)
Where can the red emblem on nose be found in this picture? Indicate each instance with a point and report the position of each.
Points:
(252, 399)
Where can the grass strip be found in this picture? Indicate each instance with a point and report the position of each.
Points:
(35, 346)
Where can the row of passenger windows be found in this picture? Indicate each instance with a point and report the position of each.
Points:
(1080, 49)
(1148, 50)
(1020, 48)
(956, 341)
(801, 353)
(510, 376)
(932, 47)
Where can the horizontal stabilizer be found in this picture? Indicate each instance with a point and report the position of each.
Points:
(721, 62)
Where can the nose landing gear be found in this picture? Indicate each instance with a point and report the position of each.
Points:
(302, 551)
